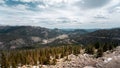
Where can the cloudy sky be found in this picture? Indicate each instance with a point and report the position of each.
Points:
(61, 13)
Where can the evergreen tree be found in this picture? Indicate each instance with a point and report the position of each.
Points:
(4, 62)
(90, 49)
(99, 52)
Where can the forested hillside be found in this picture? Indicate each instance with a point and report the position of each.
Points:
(28, 45)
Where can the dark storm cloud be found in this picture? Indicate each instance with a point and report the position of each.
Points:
(88, 4)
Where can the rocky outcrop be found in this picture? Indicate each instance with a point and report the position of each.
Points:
(111, 59)
(72, 61)
(50, 40)
(35, 39)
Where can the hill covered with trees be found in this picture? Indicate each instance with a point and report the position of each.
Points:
(28, 45)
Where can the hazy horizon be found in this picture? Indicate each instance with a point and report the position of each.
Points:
(59, 28)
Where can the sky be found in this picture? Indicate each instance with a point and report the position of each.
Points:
(84, 14)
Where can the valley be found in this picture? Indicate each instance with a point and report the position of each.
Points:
(38, 47)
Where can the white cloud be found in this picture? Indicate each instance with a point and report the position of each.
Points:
(2, 1)
(28, 0)
(42, 6)
(60, 13)
(117, 9)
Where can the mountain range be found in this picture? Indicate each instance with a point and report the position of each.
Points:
(17, 37)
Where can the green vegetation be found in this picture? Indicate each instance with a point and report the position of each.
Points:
(97, 49)
(48, 55)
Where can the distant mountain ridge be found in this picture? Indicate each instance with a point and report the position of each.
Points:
(12, 37)
(103, 36)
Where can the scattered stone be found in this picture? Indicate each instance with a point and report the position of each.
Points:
(88, 67)
(111, 59)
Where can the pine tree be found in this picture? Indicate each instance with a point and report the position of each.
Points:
(4, 62)
(90, 49)
(97, 45)
(99, 52)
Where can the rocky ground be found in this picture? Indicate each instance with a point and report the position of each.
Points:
(110, 59)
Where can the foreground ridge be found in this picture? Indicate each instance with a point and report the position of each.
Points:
(110, 59)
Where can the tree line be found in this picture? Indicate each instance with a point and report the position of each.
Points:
(43, 56)
(49, 55)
